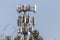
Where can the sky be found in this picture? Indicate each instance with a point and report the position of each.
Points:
(47, 17)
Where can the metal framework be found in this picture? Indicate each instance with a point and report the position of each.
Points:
(24, 21)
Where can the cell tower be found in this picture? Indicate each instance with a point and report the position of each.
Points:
(24, 22)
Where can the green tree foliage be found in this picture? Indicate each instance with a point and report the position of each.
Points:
(30, 38)
(18, 38)
(8, 38)
(36, 36)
